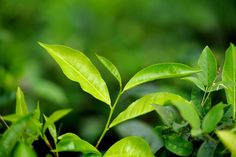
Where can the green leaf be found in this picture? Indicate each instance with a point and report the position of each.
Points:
(24, 151)
(229, 74)
(196, 98)
(159, 71)
(12, 117)
(168, 114)
(55, 116)
(212, 118)
(21, 107)
(144, 105)
(196, 81)
(13, 134)
(110, 67)
(71, 142)
(228, 138)
(207, 149)
(178, 145)
(77, 67)
(131, 146)
(207, 62)
(52, 129)
(141, 129)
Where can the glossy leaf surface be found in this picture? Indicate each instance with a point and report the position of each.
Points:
(110, 67)
(159, 71)
(178, 145)
(23, 150)
(21, 107)
(144, 105)
(77, 67)
(229, 74)
(71, 142)
(131, 146)
(207, 62)
(212, 118)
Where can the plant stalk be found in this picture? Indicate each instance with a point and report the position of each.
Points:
(112, 108)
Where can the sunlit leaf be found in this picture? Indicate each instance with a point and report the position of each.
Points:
(229, 74)
(207, 62)
(131, 146)
(13, 134)
(178, 145)
(206, 149)
(21, 107)
(111, 67)
(144, 105)
(196, 81)
(71, 142)
(228, 138)
(141, 129)
(212, 118)
(159, 71)
(23, 150)
(77, 67)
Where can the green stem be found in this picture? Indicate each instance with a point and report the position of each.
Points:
(112, 108)
(50, 146)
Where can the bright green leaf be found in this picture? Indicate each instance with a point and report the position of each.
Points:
(144, 105)
(228, 138)
(23, 150)
(111, 67)
(141, 129)
(212, 118)
(21, 107)
(196, 81)
(52, 129)
(12, 117)
(207, 62)
(71, 142)
(77, 67)
(178, 145)
(13, 134)
(131, 146)
(229, 74)
(159, 71)
(207, 149)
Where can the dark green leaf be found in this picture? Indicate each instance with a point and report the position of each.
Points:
(159, 71)
(77, 67)
(206, 149)
(212, 118)
(131, 146)
(178, 145)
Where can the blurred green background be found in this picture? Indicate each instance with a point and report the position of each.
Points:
(132, 34)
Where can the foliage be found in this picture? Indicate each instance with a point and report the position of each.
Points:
(186, 127)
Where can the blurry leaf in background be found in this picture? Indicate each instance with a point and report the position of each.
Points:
(24, 150)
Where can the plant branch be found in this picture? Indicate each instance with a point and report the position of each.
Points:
(4, 121)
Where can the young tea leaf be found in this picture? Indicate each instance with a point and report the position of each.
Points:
(228, 138)
(13, 134)
(160, 71)
(77, 67)
(24, 151)
(71, 142)
(207, 62)
(178, 145)
(110, 67)
(229, 74)
(212, 118)
(21, 107)
(131, 146)
(144, 105)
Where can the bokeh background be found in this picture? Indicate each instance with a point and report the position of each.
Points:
(132, 34)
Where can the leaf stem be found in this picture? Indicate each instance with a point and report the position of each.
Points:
(112, 108)
(4, 121)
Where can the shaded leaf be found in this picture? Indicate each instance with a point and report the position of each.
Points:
(24, 151)
(21, 107)
(212, 118)
(196, 98)
(141, 129)
(71, 142)
(229, 74)
(110, 67)
(11, 136)
(143, 105)
(178, 145)
(228, 138)
(131, 146)
(207, 62)
(159, 71)
(77, 67)
(207, 149)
